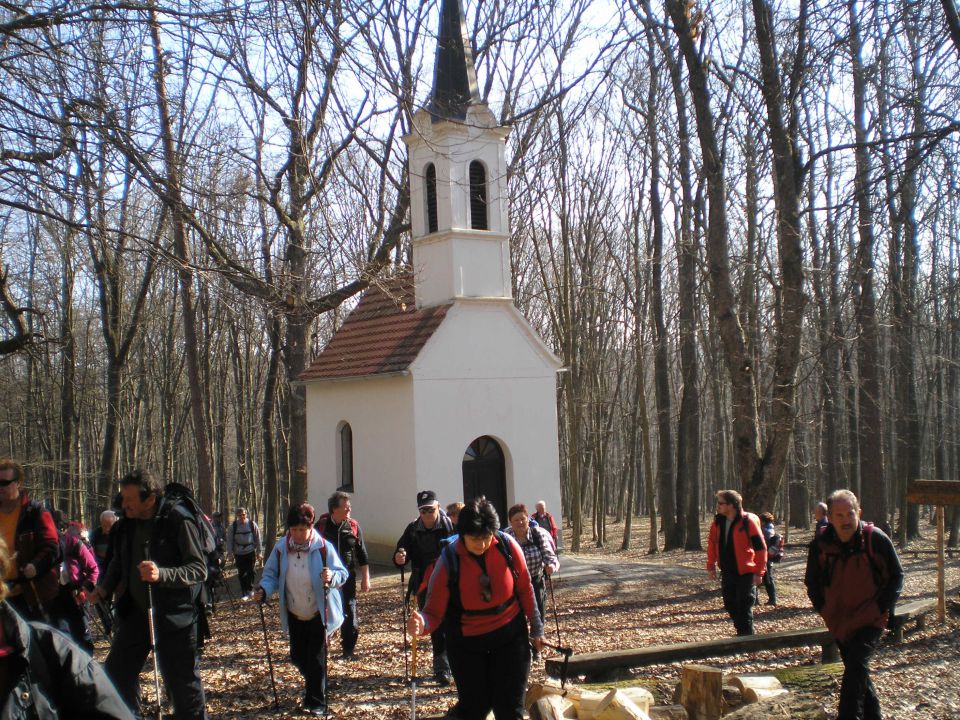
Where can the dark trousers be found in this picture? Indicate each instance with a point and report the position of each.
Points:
(178, 660)
(308, 652)
(858, 700)
(491, 671)
(350, 630)
(438, 642)
(770, 584)
(246, 572)
(738, 599)
(540, 594)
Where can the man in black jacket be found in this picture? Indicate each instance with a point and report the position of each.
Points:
(344, 533)
(421, 543)
(158, 545)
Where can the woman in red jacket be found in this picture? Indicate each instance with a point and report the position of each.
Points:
(480, 592)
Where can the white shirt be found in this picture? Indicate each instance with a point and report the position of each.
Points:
(301, 600)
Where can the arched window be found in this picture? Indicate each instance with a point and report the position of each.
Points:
(431, 179)
(345, 458)
(478, 196)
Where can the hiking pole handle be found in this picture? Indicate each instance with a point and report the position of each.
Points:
(152, 628)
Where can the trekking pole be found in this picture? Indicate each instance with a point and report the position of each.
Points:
(266, 643)
(152, 627)
(43, 613)
(413, 670)
(326, 653)
(553, 600)
(403, 611)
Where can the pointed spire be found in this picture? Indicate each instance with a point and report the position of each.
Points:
(454, 78)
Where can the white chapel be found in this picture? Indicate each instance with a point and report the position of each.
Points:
(436, 381)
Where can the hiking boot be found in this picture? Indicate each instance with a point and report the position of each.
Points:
(317, 710)
(443, 678)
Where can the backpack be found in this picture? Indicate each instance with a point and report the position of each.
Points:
(775, 548)
(175, 494)
(321, 525)
(455, 609)
(827, 572)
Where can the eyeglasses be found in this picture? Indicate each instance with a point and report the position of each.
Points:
(428, 511)
(486, 593)
(4, 483)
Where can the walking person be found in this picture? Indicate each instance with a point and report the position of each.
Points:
(344, 533)
(45, 674)
(736, 546)
(100, 538)
(157, 546)
(78, 577)
(420, 545)
(301, 565)
(545, 520)
(33, 578)
(481, 594)
(774, 553)
(243, 542)
(537, 551)
(821, 522)
(853, 579)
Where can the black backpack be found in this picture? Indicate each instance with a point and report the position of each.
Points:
(175, 494)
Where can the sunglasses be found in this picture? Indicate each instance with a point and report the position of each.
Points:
(486, 592)
(427, 511)
(4, 483)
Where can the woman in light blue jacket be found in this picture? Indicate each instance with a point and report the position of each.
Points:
(301, 566)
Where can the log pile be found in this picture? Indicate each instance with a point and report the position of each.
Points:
(703, 693)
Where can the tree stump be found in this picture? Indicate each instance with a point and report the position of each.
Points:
(701, 692)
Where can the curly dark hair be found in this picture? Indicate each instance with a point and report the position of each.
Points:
(478, 517)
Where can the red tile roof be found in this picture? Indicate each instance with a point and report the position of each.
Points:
(384, 334)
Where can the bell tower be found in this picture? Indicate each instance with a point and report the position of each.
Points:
(457, 173)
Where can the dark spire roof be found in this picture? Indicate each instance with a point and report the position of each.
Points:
(454, 78)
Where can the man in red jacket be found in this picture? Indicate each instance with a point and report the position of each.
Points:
(736, 545)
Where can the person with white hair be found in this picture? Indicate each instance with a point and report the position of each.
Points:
(100, 538)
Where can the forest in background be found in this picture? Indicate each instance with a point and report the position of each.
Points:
(735, 223)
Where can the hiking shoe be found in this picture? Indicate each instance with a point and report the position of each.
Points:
(315, 710)
(443, 678)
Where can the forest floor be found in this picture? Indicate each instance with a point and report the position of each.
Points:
(606, 599)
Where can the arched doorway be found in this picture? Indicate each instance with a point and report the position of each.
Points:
(484, 473)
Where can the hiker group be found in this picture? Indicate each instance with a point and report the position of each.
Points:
(149, 577)
(853, 578)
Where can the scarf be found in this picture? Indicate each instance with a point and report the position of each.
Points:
(293, 547)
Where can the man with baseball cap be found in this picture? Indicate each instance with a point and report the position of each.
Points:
(420, 544)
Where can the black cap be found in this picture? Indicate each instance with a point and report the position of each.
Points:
(426, 498)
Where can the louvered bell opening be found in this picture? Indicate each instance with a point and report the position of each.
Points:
(431, 177)
(478, 196)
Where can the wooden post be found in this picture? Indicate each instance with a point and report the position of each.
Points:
(701, 692)
(941, 577)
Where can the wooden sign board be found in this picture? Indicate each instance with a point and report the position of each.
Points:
(933, 492)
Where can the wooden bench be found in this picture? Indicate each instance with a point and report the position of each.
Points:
(915, 610)
(591, 664)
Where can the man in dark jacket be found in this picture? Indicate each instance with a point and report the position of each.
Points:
(344, 533)
(420, 544)
(853, 579)
(736, 545)
(157, 549)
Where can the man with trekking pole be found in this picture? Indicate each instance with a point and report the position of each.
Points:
(156, 572)
(420, 545)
